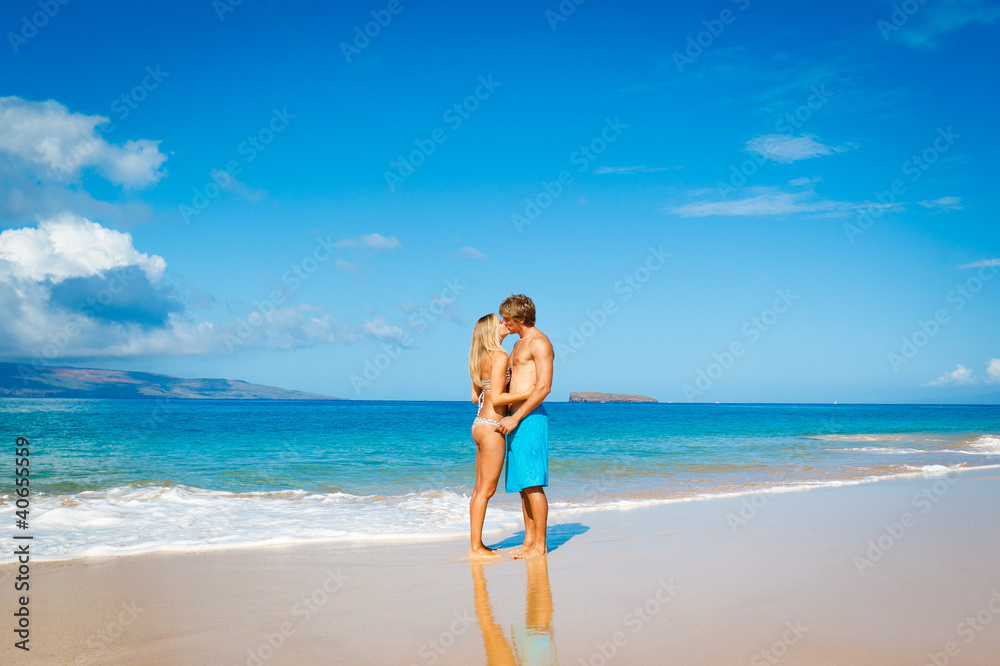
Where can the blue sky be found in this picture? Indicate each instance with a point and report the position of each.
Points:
(170, 173)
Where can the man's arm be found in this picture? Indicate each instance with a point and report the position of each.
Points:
(498, 377)
(542, 355)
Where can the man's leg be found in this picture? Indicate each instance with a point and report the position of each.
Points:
(529, 525)
(538, 505)
(529, 519)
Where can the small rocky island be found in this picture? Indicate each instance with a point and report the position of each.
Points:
(591, 396)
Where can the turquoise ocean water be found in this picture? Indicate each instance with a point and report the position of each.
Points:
(130, 476)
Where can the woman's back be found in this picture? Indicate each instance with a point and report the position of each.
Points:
(486, 408)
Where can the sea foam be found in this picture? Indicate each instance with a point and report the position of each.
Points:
(136, 519)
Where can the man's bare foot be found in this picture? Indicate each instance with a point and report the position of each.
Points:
(520, 549)
(484, 553)
(525, 553)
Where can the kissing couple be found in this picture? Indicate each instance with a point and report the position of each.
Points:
(511, 423)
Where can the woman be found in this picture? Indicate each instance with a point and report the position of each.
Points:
(488, 368)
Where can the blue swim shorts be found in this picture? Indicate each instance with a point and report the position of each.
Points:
(528, 452)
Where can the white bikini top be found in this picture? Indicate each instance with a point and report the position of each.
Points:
(486, 387)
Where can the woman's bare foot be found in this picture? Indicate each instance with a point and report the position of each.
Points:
(526, 552)
(484, 553)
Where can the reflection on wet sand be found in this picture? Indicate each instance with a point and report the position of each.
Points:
(531, 642)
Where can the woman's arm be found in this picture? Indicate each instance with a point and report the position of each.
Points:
(498, 378)
(475, 394)
(507, 398)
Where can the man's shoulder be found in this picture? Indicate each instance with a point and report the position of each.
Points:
(539, 341)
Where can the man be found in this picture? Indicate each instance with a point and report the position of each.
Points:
(527, 428)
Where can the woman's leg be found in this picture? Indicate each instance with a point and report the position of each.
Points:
(490, 450)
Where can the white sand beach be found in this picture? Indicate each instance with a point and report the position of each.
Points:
(902, 571)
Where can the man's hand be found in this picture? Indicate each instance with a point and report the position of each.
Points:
(507, 424)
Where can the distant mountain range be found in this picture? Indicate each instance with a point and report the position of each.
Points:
(26, 381)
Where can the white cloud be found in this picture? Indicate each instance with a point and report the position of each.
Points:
(376, 241)
(70, 246)
(982, 264)
(642, 168)
(777, 203)
(288, 327)
(944, 203)
(345, 265)
(762, 201)
(349, 268)
(285, 328)
(957, 377)
(71, 288)
(943, 17)
(806, 180)
(47, 136)
(993, 371)
(786, 149)
(235, 186)
(380, 329)
(473, 253)
(435, 308)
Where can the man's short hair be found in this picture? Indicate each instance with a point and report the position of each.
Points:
(520, 308)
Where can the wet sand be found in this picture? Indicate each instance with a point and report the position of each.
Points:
(903, 571)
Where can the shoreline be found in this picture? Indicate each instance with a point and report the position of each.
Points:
(507, 504)
(568, 508)
(705, 582)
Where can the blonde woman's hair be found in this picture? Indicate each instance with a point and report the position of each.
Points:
(485, 339)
